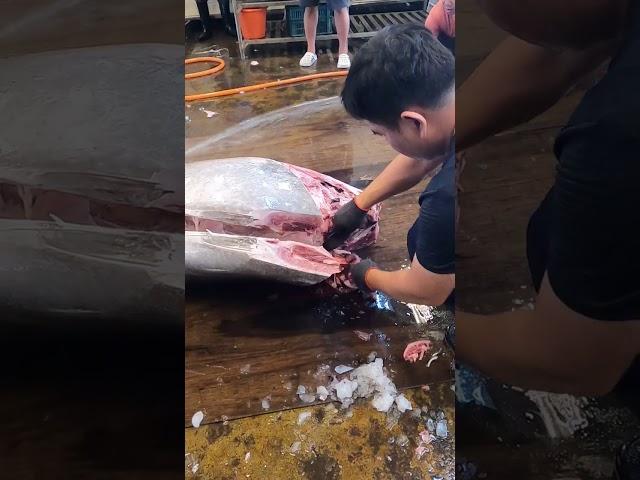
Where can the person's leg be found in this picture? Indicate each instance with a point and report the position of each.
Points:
(205, 19)
(341, 19)
(227, 18)
(310, 27)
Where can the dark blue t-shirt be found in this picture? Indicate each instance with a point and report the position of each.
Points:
(432, 237)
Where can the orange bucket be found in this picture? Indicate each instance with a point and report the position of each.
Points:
(253, 23)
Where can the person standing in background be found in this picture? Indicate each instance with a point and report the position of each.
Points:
(207, 22)
(441, 22)
(341, 18)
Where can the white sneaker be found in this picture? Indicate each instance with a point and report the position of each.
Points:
(344, 61)
(308, 59)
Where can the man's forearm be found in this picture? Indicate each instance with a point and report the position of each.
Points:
(515, 83)
(400, 175)
(402, 285)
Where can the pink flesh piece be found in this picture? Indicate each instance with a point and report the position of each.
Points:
(275, 225)
(426, 437)
(308, 257)
(420, 451)
(329, 195)
(415, 350)
(363, 335)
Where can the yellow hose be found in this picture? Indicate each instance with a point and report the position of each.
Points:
(249, 88)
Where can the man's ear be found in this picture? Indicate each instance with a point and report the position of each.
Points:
(417, 119)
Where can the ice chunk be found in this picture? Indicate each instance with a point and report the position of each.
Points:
(301, 390)
(441, 429)
(382, 402)
(197, 418)
(403, 404)
(345, 388)
(340, 369)
(346, 403)
(266, 402)
(308, 397)
(371, 357)
(303, 417)
(431, 426)
(322, 393)
(295, 447)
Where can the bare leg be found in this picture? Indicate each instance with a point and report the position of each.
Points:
(310, 26)
(341, 18)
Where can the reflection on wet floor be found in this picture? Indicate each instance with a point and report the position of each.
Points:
(284, 334)
(239, 73)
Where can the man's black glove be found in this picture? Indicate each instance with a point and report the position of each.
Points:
(347, 219)
(358, 272)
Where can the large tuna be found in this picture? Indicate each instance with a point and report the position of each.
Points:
(256, 217)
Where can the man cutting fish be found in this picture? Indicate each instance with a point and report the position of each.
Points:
(402, 84)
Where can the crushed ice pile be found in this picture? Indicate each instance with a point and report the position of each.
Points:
(367, 381)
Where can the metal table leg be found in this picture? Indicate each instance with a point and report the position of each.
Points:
(236, 15)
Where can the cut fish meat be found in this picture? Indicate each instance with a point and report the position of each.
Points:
(255, 217)
(209, 254)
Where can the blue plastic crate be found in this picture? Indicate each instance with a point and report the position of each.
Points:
(295, 20)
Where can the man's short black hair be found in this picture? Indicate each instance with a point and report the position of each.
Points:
(400, 67)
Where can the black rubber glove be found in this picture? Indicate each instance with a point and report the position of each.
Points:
(359, 270)
(348, 218)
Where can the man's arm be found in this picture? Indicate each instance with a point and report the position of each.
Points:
(551, 348)
(516, 82)
(434, 19)
(414, 285)
(400, 175)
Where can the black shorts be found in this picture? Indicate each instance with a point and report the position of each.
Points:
(586, 233)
